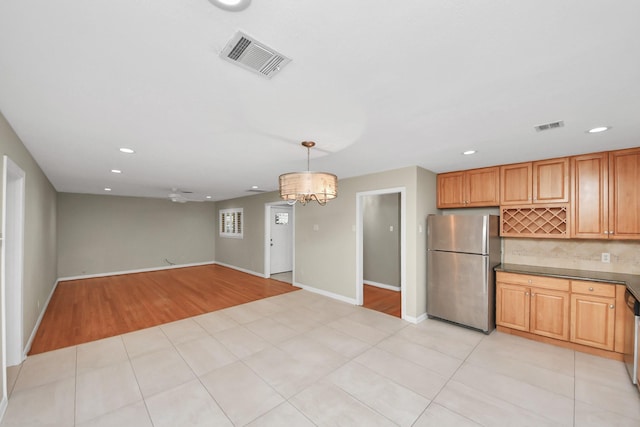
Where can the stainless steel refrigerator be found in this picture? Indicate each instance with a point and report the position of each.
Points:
(462, 251)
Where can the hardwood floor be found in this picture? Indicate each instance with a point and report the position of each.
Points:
(90, 309)
(383, 300)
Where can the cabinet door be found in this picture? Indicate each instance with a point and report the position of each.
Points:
(450, 190)
(550, 313)
(592, 321)
(551, 181)
(482, 187)
(512, 306)
(590, 196)
(624, 194)
(516, 184)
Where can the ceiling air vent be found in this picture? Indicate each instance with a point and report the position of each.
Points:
(253, 55)
(549, 126)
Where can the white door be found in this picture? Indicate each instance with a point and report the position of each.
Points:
(281, 239)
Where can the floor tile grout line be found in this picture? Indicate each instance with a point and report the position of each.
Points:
(574, 388)
(144, 399)
(453, 374)
(532, 385)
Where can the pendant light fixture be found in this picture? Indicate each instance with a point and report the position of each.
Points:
(306, 186)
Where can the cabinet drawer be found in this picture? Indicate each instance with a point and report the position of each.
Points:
(593, 288)
(531, 280)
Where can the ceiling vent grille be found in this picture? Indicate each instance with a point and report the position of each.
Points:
(253, 55)
(549, 126)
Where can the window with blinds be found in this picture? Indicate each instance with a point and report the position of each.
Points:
(231, 223)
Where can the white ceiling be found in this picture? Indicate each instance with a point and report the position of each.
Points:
(377, 84)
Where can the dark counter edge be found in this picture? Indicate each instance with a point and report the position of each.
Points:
(631, 281)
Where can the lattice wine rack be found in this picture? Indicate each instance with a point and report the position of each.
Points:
(550, 221)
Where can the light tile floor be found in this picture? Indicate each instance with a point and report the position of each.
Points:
(301, 359)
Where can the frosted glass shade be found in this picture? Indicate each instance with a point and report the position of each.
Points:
(307, 186)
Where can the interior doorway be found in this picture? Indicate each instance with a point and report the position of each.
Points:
(279, 241)
(12, 262)
(361, 202)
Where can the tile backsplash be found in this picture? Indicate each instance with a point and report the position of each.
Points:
(574, 254)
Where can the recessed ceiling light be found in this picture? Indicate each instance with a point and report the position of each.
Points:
(254, 187)
(116, 171)
(469, 152)
(207, 197)
(127, 150)
(599, 129)
(232, 5)
(107, 189)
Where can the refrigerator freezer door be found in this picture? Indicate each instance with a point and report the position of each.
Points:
(461, 289)
(459, 233)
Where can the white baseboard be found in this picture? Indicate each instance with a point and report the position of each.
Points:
(416, 320)
(37, 325)
(338, 297)
(382, 285)
(140, 270)
(244, 270)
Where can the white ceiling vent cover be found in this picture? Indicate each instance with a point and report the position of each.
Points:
(253, 55)
(549, 126)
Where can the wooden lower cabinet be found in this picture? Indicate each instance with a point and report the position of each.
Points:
(581, 314)
(550, 313)
(512, 306)
(542, 309)
(593, 314)
(592, 321)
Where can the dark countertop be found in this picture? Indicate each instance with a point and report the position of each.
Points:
(632, 281)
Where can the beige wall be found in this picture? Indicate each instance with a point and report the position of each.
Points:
(246, 253)
(574, 254)
(426, 205)
(326, 258)
(40, 229)
(105, 234)
(381, 239)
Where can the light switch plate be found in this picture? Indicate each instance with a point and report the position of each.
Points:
(606, 257)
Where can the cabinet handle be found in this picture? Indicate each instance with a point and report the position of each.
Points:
(611, 232)
(606, 232)
(590, 289)
(526, 294)
(612, 306)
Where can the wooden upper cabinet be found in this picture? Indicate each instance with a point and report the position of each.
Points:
(450, 190)
(590, 196)
(475, 187)
(483, 187)
(551, 181)
(624, 194)
(605, 196)
(545, 181)
(516, 184)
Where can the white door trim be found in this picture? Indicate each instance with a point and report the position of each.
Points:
(12, 265)
(360, 246)
(267, 238)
